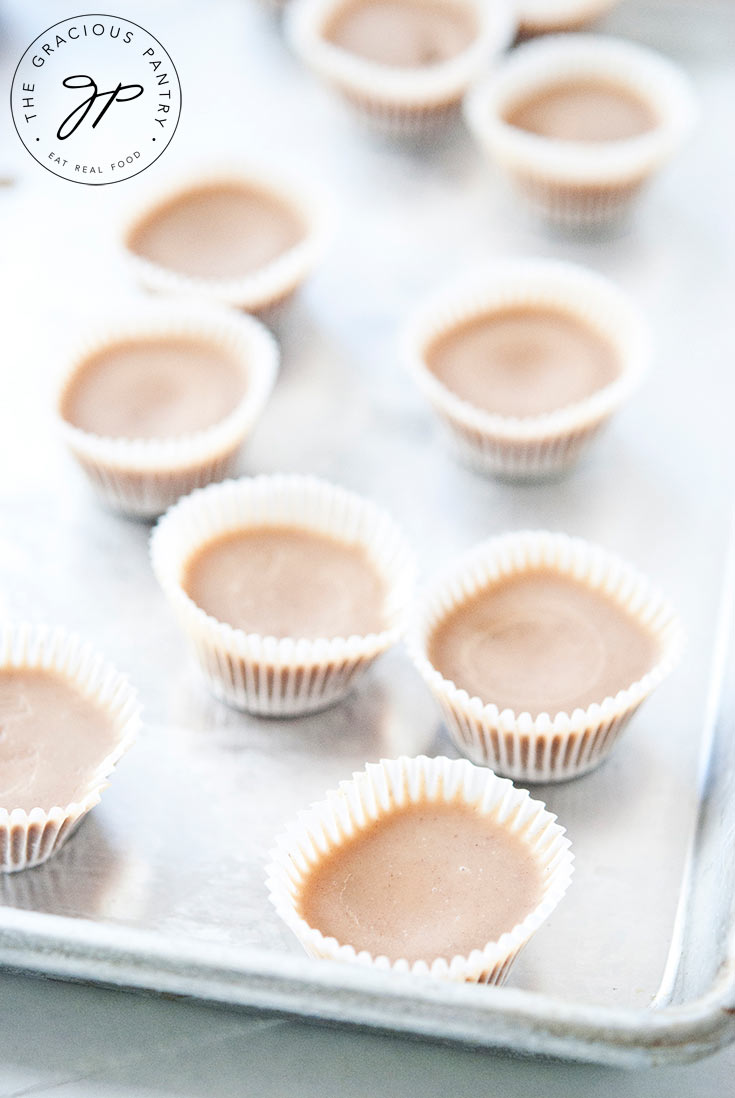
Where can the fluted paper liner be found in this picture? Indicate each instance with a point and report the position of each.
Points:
(526, 447)
(553, 746)
(260, 291)
(543, 16)
(143, 477)
(29, 838)
(268, 675)
(376, 792)
(577, 182)
(391, 97)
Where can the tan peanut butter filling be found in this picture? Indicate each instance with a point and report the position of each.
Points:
(541, 642)
(583, 109)
(521, 361)
(221, 231)
(153, 388)
(427, 880)
(284, 581)
(402, 33)
(52, 739)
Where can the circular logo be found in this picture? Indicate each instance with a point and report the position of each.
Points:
(95, 99)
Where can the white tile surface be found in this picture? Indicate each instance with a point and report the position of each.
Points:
(67, 1041)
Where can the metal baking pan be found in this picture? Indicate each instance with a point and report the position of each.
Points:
(162, 887)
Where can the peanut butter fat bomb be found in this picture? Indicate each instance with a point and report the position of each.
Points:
(52, 739)
(221, 231)
(427, 880)
(523, 361)
(153, 388)
(402, 33)
(585, 109)
(283, 581)
(541, 642)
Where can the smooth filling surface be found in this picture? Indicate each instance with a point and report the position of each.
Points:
(425, 881)
(218, 232)
(583, 110)
(402, 33)
(523, 362)
(52, 739)
(153, 388)
(284, 581)
(541, 642)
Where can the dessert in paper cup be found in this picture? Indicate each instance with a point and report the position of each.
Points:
(578, 123)
(525, 361)
(429, 866)
(400, 64)
(288, 588)
(539, 648)
(159, 401)
(67, 718)
(235, 235)
(543, 16)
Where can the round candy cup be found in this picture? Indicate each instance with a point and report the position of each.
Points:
(143, 477)
(535, 446)
(260, 291)
(544, 16)
(291, 675)
(376, 792)
(29, 838)
(392, 98)
(552, 746)
(576, 182)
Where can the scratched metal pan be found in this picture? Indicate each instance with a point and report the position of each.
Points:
(162, 887)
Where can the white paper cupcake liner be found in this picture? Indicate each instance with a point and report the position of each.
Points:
(375, 793)
(544, 16)
(286, 676)
(29, 838)
(553, 746)
(143, 477)
(397, 99)
(259, 291)
(540, 445)
(570, 181)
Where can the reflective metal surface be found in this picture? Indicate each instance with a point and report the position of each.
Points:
(162, 886)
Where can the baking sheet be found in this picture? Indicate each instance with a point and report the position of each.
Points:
(163, 885)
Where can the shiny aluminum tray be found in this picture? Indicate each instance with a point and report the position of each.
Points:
(162, 887)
